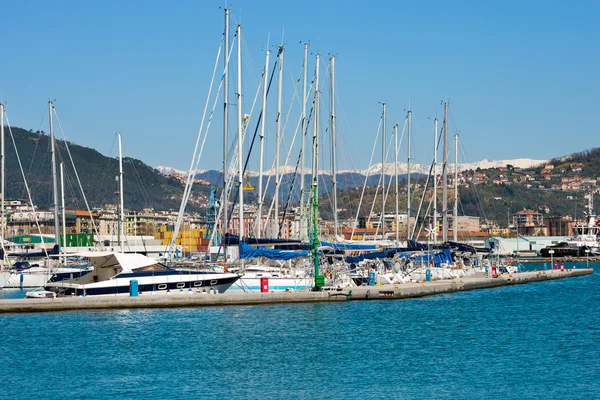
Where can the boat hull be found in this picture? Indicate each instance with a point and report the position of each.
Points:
(275, 284)
(26, 280)
(157, 283)
(39, 276)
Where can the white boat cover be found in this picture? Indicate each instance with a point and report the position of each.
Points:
(103, 259)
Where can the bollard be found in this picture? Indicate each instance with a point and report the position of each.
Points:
(264, 284)
(133, 288)
(372, 279)
(428, 275)
(562, 267)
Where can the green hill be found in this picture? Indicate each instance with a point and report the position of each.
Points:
(558, 190)
(143, 185)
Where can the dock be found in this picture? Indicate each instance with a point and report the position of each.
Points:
(589, 259)
(377, 292)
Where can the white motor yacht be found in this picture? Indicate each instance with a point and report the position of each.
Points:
(114, 273)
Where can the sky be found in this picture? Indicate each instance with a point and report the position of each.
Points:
(521, 77)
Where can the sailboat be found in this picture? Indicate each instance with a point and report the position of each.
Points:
(35, 269)
(4, 265)
(278, 270)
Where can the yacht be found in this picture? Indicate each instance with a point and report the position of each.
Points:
(585, 237)
(114, 272)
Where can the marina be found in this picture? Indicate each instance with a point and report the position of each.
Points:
(185, 298)
(449, 346)
(300, 201)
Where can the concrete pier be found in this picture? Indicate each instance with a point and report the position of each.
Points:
(382, 292)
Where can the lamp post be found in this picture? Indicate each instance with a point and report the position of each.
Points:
(551, 258)
(587, 258)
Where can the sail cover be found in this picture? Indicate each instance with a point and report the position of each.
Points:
(349, 246)
(247, 251)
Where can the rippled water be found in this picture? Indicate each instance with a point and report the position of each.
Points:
(529, 341)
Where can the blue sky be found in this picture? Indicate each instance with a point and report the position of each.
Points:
(521, 76)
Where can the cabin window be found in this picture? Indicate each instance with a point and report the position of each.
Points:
(197, 283)
(213, 282)
(180, 285)
(162, 286)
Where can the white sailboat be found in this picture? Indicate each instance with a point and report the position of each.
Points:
(39, 268)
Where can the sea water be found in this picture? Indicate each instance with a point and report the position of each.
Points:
(540, 340)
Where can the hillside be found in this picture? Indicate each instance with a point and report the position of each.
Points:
(553, 188)
(143, 185)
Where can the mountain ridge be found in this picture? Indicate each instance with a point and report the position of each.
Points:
(389, 168)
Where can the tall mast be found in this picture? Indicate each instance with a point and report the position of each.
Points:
(315, 177)
(278, 139)
(383, 174)
(62, 205)
(225, 204)
(396, 178)
(54, 179)
(302, 162)
(455, 214)
(240, 133)
(445, 177)
(262, 145)
(2, 179)
(121, 202)
(333, 147)
(435, 128)
(315, 155)
(409, 116)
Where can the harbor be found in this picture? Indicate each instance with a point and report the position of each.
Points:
(183, 298)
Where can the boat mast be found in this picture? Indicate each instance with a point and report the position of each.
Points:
(278, 139)
(240, 133)
(121, 201)
(333, 147)
(302, 157)
(315, 150)
(455, 214)
(396, 178)
(258, 228)
(383, 175)
(315, 185)
(225, 204)
(54, 179)
(409, 117)
(62, 208)
(435, 128)
(2, 180)
(445, 177)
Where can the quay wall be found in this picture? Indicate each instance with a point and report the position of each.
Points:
(382, 292)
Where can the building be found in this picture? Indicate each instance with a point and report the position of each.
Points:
(524, 245)
(558, 226)
(529, 223)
